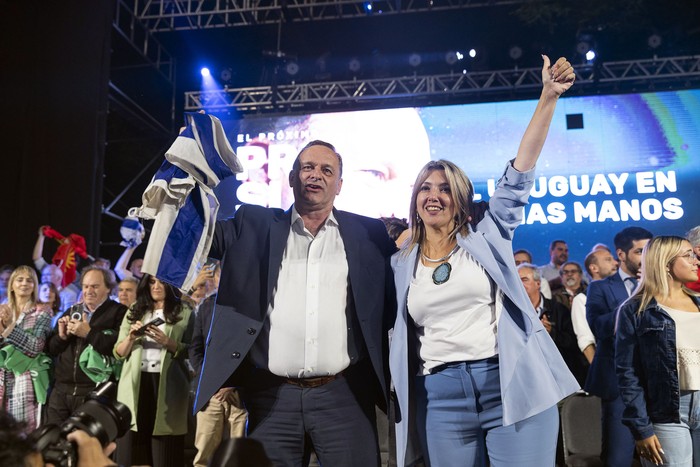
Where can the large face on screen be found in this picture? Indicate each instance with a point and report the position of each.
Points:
(383, 151)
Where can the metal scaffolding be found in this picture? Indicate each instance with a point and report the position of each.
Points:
(638, 75)
(173, 15)
(147, 105)
(137, 34)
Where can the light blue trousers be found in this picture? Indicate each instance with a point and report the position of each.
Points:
(460, 421)
(681, 441)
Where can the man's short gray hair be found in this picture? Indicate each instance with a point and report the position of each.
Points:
(535, 271)
(131, 280)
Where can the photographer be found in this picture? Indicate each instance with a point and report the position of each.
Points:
(96, 323)
(17, 450)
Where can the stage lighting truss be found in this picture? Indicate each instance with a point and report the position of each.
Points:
(173, 15)
(136, 33)
(629, 75)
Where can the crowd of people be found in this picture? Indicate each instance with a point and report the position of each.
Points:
(302, 321)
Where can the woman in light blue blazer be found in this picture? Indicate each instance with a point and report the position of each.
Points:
(476, 374)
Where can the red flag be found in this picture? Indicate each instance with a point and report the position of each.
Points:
(65, 255)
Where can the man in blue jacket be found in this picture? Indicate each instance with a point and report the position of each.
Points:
(603, 298)
(301, 320)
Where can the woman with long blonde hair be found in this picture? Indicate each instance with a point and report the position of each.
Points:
(477, 376)
(657, 356)
(24, 328)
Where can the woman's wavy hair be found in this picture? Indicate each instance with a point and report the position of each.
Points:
(462, 192)
(144, 302)
(657, 258)
(11, 298)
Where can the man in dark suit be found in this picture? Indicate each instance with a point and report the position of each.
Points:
(301, 319)
(603, 298)
(93, 322)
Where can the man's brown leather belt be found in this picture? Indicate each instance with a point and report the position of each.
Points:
(313, 382)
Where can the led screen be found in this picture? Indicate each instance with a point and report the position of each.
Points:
(609, 162)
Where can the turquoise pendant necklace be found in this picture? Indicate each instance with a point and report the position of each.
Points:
(441, 274)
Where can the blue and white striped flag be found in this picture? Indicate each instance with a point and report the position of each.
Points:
(181, 200)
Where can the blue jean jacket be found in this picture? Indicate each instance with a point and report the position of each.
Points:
(647, 367)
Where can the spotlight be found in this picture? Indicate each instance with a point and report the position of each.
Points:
(354, 65)
(515, 52)
(292, 68)
(460, 55)
(583, 47)
(368, 7)
(590, 55)
(451, 57)
(586, 43)
(414, 60)
(654, 41)
(226, 74)
(472, 53)
(205, 72)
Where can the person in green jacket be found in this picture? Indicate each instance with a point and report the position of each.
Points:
(25, 327)
(154, 382)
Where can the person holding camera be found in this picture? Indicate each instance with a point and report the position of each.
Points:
(24, 328)
(153, 341)
(95, 322)
(16, 449)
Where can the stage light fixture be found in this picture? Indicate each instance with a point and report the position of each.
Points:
(205, 72)
(414, 60)
(472, 53)
(354, 65)
(292, 68)
(226, 74)
(368, 7)
(586, 43)
(654, 41)
(582, 47)
(590, 55)
(515, 52)
(460, 55)
(451, 57)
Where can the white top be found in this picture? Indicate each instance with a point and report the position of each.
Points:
(152, 350)
(306, 332)
(584, 335)
(455, 321)
(549, 271)
(687, 347)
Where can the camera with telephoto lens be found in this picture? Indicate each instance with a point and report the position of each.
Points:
(100, 416)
